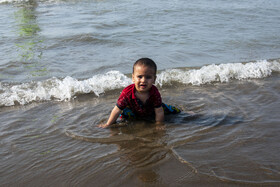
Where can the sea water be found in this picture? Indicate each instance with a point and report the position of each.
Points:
(63, 65)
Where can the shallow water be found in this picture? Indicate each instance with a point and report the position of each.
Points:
(232, 139)
(64, 63)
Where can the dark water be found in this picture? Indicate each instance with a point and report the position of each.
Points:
(63, 64)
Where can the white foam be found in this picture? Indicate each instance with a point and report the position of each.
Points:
(13, 1)
(69, 87)
(61, 90)
(219, 73)
(28, 1)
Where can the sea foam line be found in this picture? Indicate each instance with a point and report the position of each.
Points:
(61, 90)
(219, 73)
(25, 1)
(69, 87)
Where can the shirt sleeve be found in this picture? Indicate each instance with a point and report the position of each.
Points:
(122, 101)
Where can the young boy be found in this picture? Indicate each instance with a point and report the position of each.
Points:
(141, 99)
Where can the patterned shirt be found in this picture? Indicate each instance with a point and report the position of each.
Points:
(128, 99)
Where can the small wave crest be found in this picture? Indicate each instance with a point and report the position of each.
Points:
(61, 90)
(219, 73)
(69, 87)
(24, 1)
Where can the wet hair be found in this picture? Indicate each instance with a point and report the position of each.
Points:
(145, 62)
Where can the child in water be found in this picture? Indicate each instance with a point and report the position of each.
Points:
(141, 99)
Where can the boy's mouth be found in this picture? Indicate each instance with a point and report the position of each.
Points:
(143, 86)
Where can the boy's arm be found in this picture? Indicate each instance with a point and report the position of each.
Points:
(159, 115)
(113, 117)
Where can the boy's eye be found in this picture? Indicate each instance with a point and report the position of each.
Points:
(141, 76)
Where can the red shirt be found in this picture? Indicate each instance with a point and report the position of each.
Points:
(128, 99)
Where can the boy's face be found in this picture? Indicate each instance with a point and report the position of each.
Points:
(143, 77)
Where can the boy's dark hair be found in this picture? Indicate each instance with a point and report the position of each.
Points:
(145, 62)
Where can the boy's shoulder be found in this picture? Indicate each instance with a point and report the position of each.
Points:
(129, 88)
(128, 91)
(154, 90)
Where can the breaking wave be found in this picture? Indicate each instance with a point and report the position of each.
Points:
(25, 1)
(220, 73)
(69, 87)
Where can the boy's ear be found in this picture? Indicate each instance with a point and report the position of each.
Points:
(155, 79)
(132, 77)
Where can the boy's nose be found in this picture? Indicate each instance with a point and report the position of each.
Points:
(144, 79)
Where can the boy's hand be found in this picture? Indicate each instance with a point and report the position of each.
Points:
(112, 119)
(160, 126)
(103, 126)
